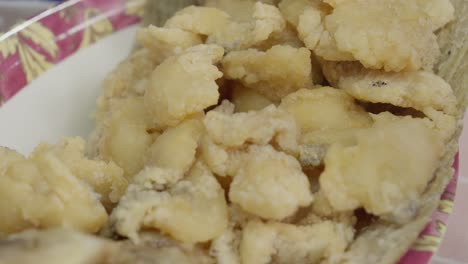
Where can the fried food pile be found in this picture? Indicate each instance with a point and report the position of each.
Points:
(246, 132)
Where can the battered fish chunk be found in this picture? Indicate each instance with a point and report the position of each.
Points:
(275, 73)
(324, 108)
(129, 79)
(107, 179)
(239, 10)
(190, 210)
(246, 99)
(44, 191)
(221, 29)
(199, 20)
(221, 160)
(306, 16)
(439, 11)
(285, 243)
(122, 135)
(333, 70)
(7, 157)
(270, 184)
(325, 115)
(261, 127)
(56, 246)
(176, 148)
(166, 42)
(385, 170)
(419, 89)
(225, 248)
(394, 36)
(184, 85)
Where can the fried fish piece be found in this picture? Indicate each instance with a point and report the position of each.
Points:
(286, 243)
(122, 135)
(385, 170)
(184, 85)
(163, 43)
(45, 191)
(258, 127)
(274, 73)
(191, 209)
(270, 184)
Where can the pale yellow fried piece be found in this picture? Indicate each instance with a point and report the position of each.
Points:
(190, 210)
(239, 10)
(275, 73)
(166, 42)
(288, 37)
(286, 243)
(215, 156)
(7, 157)
(162, 255)
(239, 218)
(440, 12)
(444, 124)
(394, 36)
(257, 244)
(270, 184)
(127, 80)
(329, 136)
(386, 170)
(225, 248)
(246, 99)
(324, 108)
(306, 16)
(122, 134)
(58, 246)
(417, 90)
(423, 91)
(44, 192)
(325, 115)
(55, 246)
(176, 148)
(333, 70)
(156, 247)
(199, 20)
(327, 48)
(322, 208)
(220, 160)
(184, 85)
(310, 27)
(107, 179)
(261, 127)
(292, 9)
(266, 21)
(223, 30)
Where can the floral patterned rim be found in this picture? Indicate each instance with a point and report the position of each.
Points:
(34, 46)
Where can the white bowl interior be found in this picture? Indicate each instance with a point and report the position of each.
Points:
(60, 102)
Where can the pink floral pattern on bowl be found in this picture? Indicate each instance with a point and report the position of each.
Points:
(34, 46)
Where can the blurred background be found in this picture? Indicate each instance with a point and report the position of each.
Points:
(13, 10)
